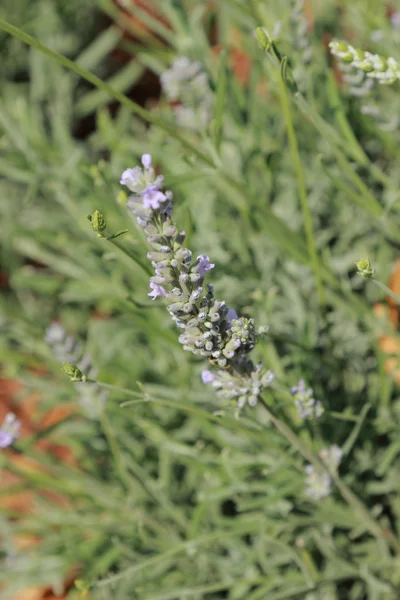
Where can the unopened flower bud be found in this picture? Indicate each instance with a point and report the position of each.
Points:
(73, 372)
(98, 222)
(264, 41)
(364, 268)
(180, 238)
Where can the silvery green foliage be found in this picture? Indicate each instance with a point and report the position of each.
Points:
(384, 70)
(307, 406)
(67, 349)
(301, 36)
(209, 328)
(319, 482)
(186, 82)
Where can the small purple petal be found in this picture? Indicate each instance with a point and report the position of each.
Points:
(146, 161)
(132, 179)
(157, 290)
(231, 315)
(152, 197)
(207, 376)
(204, 264)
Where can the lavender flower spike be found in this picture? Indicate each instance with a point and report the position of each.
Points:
(209, 328)
(9, 430)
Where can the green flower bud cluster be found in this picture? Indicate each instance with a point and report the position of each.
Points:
(73, 372)
(364, 268)
(384, 70)
(98, 222)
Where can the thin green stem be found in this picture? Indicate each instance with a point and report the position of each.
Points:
(307, 216)
(387, 290)
(361, 510)
(342, 122)
(121, 246)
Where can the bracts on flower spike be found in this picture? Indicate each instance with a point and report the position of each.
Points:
(209, 328)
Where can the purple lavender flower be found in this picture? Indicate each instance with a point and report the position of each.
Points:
(157, 290)
(152, 197)
(300, 388)
(146, 186)
(146, 161)
(231, 315)
(204, 264)
(131, 178)
(9, 430)
(207, 376)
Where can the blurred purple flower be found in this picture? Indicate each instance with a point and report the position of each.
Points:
(9, 430)
(207, 376)
(146, 161)
(132, 179)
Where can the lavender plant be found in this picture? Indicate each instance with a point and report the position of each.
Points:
(288, 187)
(209, 328)
(384, 70)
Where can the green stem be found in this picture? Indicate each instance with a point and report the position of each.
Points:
(387, 290)
(121, 246)
(342, 122)
(360, 508)
(307, 217)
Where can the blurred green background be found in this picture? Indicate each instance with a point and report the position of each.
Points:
(151, 490)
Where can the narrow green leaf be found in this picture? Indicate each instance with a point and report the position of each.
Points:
(220, 101)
